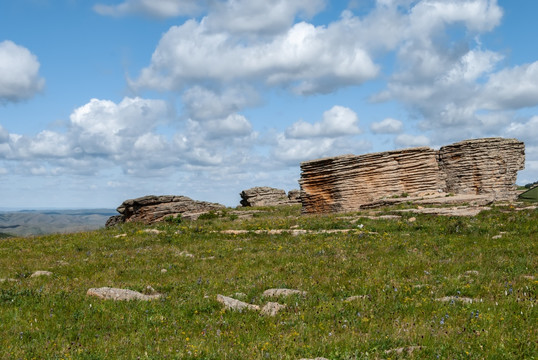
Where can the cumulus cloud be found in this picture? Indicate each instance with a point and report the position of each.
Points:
(306, 58)
(204, 104)
(387, 126)
(338, 121)
(259, 16)
(153, 8)
(527, 131)
(512, 88)
(407, 140)
(19, 73)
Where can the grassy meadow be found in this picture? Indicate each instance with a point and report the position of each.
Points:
(399, 269)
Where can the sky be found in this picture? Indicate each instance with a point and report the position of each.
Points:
(107, 100)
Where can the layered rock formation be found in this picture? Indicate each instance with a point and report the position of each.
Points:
(345, 183)
(152, 209)
(483, 166)
(268, 196)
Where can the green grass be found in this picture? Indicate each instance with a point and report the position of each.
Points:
(402, 266)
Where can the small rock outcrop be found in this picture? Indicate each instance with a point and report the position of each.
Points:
(472, 167)
(108, 293)
(152, 209)
(268, 196)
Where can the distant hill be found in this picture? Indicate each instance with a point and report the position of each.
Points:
(40, 222)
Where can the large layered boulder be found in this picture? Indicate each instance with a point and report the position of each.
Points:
(268, 196)
(151, 209)
(471, 167)
(344, 183)
(483, 166)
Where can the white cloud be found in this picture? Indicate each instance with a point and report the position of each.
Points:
(233, 125)
(407, 140)
(19, 73)
(527, 131)
(338, 121)
(104, 127)
(259, 16)
(49, 144)
(204, 104)
(512, 88)
(387, 126)
(309, 59)
(3, 171)
(153, 8)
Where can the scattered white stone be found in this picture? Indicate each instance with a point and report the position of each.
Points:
(238, 249)
(272, 308)
(357, 297)
(164, 271)
(408, 349)
(282, 292)
(62, 263)
(497, 237)
(120, 236)
(318, 358)
(149, 290)
(152, 231)
(471, 272)
(233, 304)
(412, 219)
(528, 277)
(239, 295)
(8, 280)
(465, 300)
(41, 273)
(108, 293)
(186, 254)
(208, 258)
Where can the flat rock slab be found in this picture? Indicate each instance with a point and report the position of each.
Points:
(8, 280)
(464, 300)
(108, 293)
(401, 350)
(272, 308)
(282, 292)
(41, 273)
(357, 297)
(453, 211)
(233, 304)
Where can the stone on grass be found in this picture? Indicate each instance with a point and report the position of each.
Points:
(120, 236)
(152, 231)
(8, 280)
(108, 293)
(41, 273)
(272, 308)
(318, 358)
(357, 297)
(233, 304)
(465, 300)
(282, 292)
(408, 349)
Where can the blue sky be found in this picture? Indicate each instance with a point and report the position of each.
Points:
(105, 100)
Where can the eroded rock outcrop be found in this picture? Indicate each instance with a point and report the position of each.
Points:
(268, 196)
(152, 209)
(483, 166)
(349, 182)
(344, 183)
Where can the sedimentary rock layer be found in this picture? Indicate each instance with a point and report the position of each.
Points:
(345, 183)
(268, 196)
(151, 209)
(483, 166)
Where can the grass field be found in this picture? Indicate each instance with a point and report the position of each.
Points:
(399, 268)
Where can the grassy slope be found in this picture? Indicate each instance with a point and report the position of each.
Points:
(403, 267)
